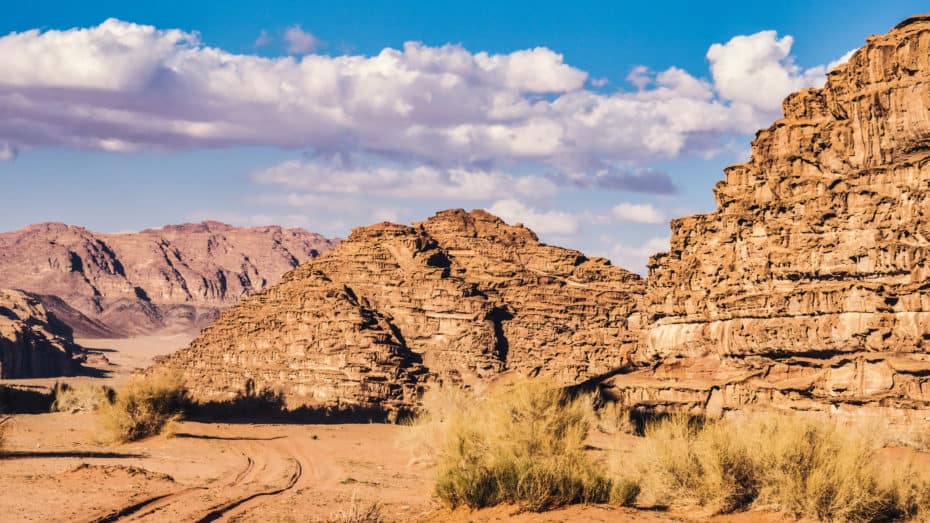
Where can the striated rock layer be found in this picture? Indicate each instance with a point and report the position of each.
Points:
(808, 286)
(457, 298)
(175, 278)
(33, 343)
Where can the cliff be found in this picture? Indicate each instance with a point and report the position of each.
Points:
(807, 287)
(33, 343)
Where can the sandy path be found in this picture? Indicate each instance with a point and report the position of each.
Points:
(55, 470)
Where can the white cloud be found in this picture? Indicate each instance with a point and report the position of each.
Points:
(637, 213)
(758, 70)
(415, 182)
(299, 41)
(635, 257)
(556, 223)
(123, 87)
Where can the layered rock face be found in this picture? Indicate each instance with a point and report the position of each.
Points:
(175, 278)
(808, 286)
(33, 343)
(457, 298)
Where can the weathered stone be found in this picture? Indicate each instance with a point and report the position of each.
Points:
(33, 343)
(460, 297)
(811, 276)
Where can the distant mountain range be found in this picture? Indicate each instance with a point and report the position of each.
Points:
(171, 279)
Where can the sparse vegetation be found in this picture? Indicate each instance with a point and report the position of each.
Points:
(80, 398)
(520, 444)
(798, 465)
(144, 407)
(358, 512)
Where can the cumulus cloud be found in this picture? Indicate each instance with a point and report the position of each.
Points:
(637, 213)
(557, 223)
(758, 70)
(299, 41)
(122, 87)
(635, 257)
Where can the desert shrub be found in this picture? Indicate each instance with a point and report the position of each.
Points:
(625, 492)
(802, 466)
(144, 407)
(688, 462)
(520, 444)
(80, 398)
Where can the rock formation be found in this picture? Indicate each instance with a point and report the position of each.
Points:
(175, 278)
(33, 343)
(459, 297)
(808, 286)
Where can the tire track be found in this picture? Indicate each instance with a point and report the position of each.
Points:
(220, 511)
(159, 502)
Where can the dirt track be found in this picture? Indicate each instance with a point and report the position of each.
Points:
(205, 472)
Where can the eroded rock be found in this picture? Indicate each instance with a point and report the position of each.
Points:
(807, 287)
(457, 298)
(33, 343)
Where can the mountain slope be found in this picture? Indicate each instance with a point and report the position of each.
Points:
(175, 278)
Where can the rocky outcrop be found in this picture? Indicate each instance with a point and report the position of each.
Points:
(457, 298)
(173, 279)
(808, 286)
(33, 343)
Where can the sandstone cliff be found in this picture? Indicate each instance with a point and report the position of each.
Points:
(33, 343)
(175, 278)
(459, 297)
(808, 286)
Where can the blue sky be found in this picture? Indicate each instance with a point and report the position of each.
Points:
(594, 122)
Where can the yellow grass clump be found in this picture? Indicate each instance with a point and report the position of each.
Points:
(358, 512)
(521, 444)
(802, 466)
(144, 407)
(80, 398)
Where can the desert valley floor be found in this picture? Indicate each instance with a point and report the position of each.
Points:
(56, 469)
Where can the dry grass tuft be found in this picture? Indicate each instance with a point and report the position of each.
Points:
(798, 465)
(81, 398)
(144, 407)
(357, 512)
(521, 444)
